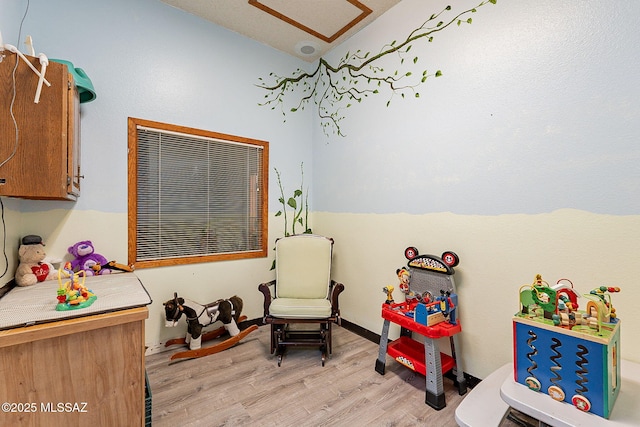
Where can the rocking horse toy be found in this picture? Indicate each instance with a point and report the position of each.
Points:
(198, 316)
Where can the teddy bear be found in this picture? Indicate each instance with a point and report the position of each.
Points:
(32, 267)
(87, 259)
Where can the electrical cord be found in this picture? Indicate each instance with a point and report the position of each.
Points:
(15, 123)
(13, 98)
(15, 148)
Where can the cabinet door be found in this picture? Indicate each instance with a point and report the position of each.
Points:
(73, 138)
(34, 137)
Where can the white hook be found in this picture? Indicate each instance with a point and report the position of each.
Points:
(44, 61)
(15, 50)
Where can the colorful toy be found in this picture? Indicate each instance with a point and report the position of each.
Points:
(423, 280)
(199, 316)
(72, 293)
(429, 309)
(112, 266)
(404, 276)
(32, 267)
(389, 291)
(87, 259)
(570, 354)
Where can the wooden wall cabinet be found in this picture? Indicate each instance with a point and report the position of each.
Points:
(41, 160)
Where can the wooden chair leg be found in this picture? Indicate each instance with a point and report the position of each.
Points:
(279, 337)
(274, 331)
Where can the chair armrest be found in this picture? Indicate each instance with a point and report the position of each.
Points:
(336, 290)
(266, 291)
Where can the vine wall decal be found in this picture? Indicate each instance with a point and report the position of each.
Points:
(335, 88)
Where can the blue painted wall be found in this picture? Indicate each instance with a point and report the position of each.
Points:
(538, 109)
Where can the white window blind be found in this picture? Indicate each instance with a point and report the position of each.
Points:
(197, 196)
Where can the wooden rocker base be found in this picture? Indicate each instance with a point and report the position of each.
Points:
(206, 351)
(207, 336)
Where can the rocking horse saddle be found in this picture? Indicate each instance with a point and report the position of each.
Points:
(213, 308)
(218, 310)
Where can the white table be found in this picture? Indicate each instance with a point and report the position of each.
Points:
(483, 406)
(488, 402)
(626, 410)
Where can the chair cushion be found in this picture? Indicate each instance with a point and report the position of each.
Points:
(303, 266)
(300, 308)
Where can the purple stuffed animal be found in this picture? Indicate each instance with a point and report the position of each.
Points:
(86, 259)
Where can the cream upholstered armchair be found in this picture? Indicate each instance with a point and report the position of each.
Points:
(303, 292)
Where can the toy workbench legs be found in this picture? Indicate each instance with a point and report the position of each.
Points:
(381, 361)
(461, 381)
(432, 367)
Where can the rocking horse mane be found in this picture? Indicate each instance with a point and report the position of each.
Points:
(194, 311)
(189, 311)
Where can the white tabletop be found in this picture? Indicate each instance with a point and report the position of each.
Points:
(23, 306)
(626, 410)
(483, 406)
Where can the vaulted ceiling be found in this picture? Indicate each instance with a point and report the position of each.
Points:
(306, 29)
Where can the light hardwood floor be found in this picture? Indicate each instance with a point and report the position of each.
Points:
(243, 386)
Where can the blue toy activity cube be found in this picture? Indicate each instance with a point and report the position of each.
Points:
(572, 355)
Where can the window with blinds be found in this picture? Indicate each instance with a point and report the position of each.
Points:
(194, 195)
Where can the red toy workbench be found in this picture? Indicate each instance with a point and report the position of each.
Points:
(426, 358)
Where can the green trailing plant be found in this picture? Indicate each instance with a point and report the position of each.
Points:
(334, 88)
(298, 203)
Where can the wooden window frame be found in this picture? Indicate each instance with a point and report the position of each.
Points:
(133, 127)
